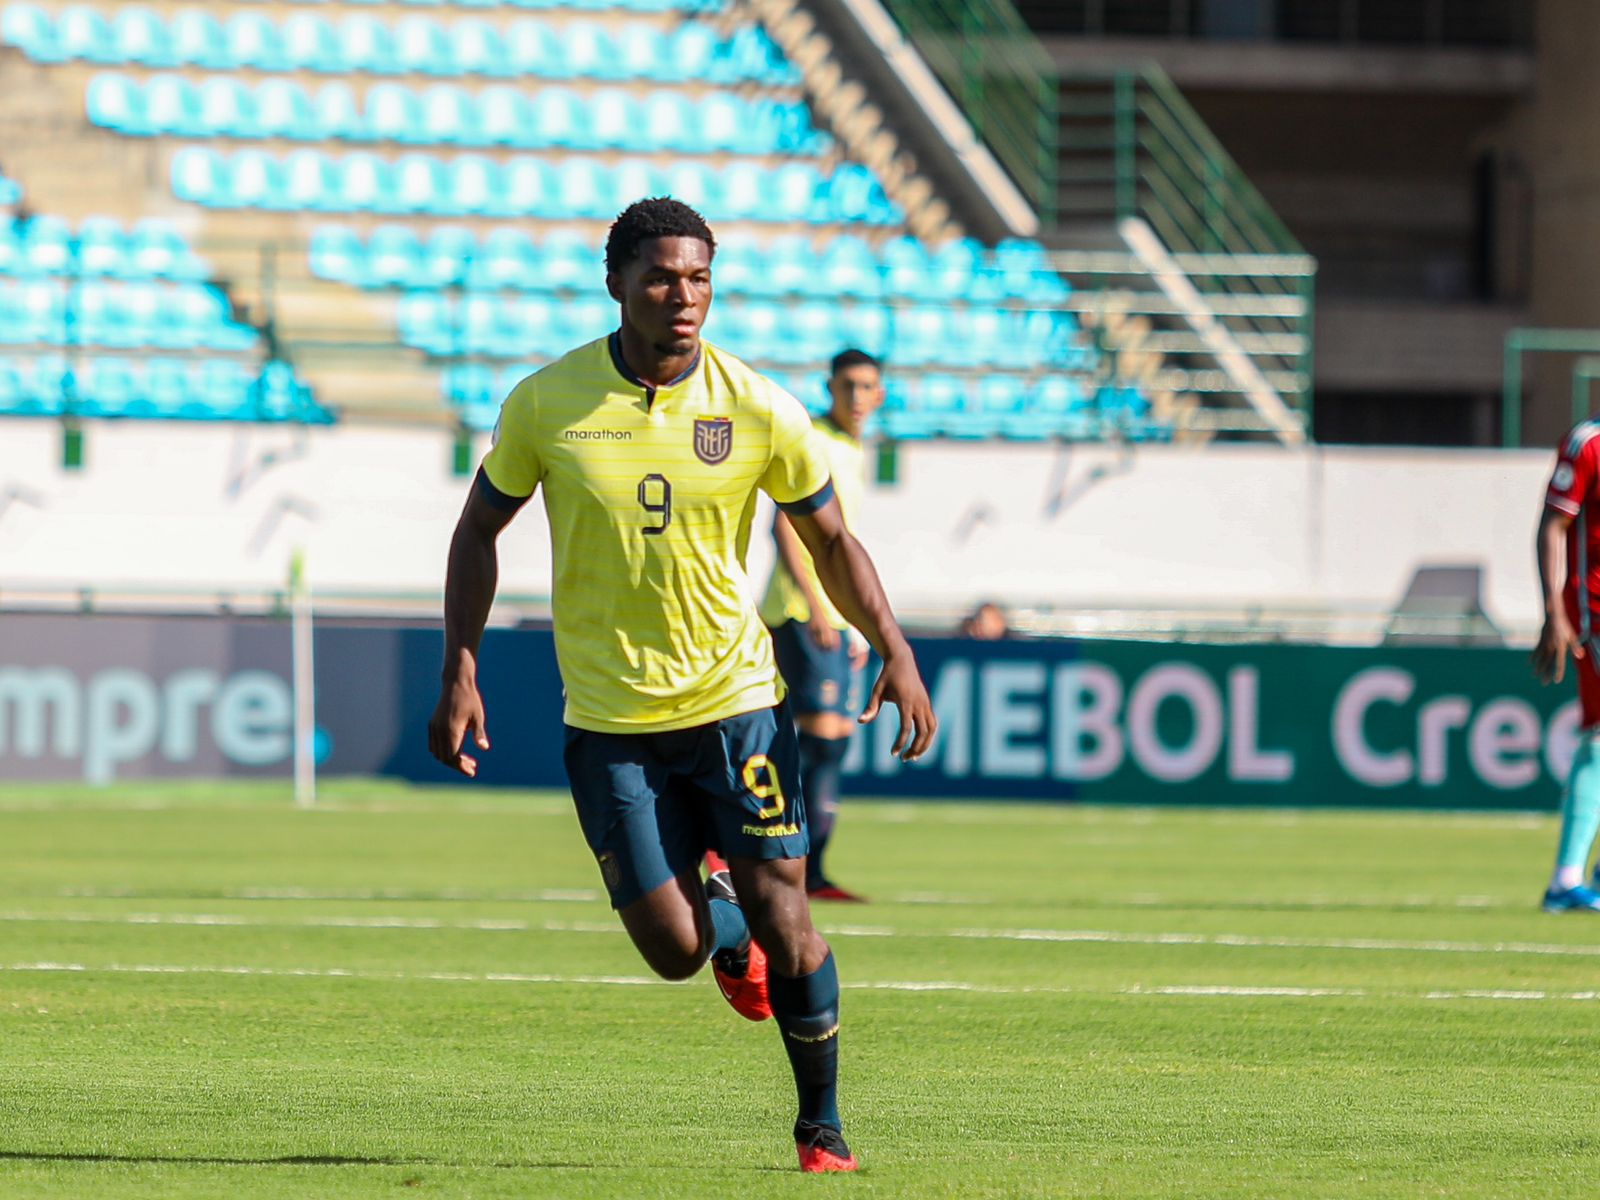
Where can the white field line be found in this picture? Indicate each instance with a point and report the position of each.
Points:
(538, 895)
(903, 985)
(1096, 936)
(1114, 937)
(241, 920)
(997, 813)
(534, 896)
(590, 895)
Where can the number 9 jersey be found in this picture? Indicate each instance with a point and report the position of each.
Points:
(650, 494)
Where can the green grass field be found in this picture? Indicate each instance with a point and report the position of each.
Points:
(205, 992)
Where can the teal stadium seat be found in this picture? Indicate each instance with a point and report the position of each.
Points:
(139, 36)
(311, 43)
(254, 41)
(197, 40)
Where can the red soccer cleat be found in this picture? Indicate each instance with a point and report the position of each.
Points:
(742, 978)
(822, 1149)
(832, 891)
(746, 993)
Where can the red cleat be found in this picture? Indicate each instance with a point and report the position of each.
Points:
(742, 978)
(822, 1149)
(746, 993)
(715, 863)
(832, 891)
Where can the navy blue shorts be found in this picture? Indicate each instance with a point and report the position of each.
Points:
(820, 681)
(651, 804)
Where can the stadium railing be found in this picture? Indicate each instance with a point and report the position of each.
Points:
(1100, 147)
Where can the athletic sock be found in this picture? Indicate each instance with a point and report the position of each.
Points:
(1580, 814)
(821, 763)
(807, 1013)
(730, 932)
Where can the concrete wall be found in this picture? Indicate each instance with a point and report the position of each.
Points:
(1563, 147)
(209, 507)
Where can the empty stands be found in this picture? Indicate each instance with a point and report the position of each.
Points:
(432, 182)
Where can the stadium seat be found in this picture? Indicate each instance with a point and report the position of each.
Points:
(504, 118)
(475, 187)
(82, 33)
(365, 45)
(254, 41)
(610, 120)
(420, 47)
(338, 254)
(196, 39)
(225, 109)
(310, 43)
(476, 48)
(336, 113)
(283, 110)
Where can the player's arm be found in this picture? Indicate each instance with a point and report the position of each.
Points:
(793, 556)
(852, 583)
(1557, 638)
(470, 581)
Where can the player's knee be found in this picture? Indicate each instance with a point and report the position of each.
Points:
(672, 951)
(793, 952)
(673, 959)
(786, 934)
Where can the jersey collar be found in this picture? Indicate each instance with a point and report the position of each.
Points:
(614, 344)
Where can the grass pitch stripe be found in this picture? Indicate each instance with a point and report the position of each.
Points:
(1255, 941)
(1097, 936)
(930, 985)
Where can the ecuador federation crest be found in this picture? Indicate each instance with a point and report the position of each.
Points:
(713, 439)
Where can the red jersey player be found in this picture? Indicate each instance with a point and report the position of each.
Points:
(1568, 549)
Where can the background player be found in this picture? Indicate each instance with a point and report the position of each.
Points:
(1568, 550)
(819, 654)
(649, 446)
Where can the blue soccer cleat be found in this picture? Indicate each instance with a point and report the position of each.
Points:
(1572, 899)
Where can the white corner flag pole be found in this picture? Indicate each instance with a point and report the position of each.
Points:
(305, 703)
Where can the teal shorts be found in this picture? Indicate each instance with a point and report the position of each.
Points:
(652, 804)
(819, 681)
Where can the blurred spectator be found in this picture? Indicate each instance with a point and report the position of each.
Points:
(986, 623)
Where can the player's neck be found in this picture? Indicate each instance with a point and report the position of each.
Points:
(648, 364)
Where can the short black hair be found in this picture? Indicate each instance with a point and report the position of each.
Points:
(846, 359)
(656, 217)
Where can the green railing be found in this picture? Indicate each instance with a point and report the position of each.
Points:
(1130, 145)
(1003, 80)
(1094, 147)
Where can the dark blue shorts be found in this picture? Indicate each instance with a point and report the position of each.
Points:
(651, 804)
(820, 681)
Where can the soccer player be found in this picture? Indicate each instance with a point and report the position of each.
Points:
(649, 445)
(1568, 550)
(820, 656)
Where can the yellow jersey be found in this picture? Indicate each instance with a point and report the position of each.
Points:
(785, 601)
(650, 494)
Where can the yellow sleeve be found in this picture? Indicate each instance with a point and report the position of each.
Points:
(798, 469)
(512, 463)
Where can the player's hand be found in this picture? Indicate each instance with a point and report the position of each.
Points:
(460, 710)
(1556, 640)
(900, 684)
(824, 635)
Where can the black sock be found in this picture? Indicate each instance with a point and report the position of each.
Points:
(821, 763)
(807, 1012)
